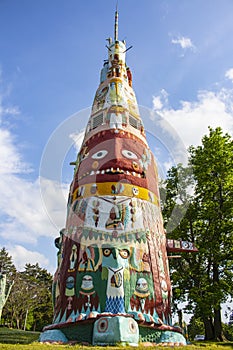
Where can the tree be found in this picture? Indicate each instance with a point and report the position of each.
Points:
(212, 165)
(206, 276)
(29, 305)
(6, 265)
(7, 273)
(196, 326)
(32, 297)
(39, 283)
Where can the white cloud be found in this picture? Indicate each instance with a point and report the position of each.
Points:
(183, 42)
(30, 209)
(24, 216)
(22, 256)
(229, 74)
(157, 103)
(160, 101)
(54, 195)
(191, 121)
(10, 159)
(78, 139)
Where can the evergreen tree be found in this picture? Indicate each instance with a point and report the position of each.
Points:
(6, 264)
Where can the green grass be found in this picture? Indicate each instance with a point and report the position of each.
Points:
(15, 336)
(19, 340)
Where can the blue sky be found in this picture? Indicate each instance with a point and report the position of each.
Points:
(51, 53)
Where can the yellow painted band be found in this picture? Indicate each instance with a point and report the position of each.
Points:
(121, 189)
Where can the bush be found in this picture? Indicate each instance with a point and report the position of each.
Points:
(228, 331)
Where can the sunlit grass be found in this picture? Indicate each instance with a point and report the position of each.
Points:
(20, 340)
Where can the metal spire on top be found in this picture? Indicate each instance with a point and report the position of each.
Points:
(116, 24)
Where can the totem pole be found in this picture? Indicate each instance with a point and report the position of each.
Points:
(112, 284)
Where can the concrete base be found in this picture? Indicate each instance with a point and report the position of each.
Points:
(53, 335)
(115, 330)
(111, 330)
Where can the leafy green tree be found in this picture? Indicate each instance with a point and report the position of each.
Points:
(212, 165)
(196, 326)
(29, 306)
(228, 331)
(39, 283)
(206, 277)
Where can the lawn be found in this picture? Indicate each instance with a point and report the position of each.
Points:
(11, 339)
(15, 336)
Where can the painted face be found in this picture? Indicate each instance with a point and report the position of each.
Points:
(70, 282)
(114, 257)
(74, 248)
(115, 159)
(142, 285)
(87, 282)
(124, 253)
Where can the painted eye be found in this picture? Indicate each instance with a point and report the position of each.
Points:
(124, 253)
(132, 326)
(100, 154)
(107, 252)
(128, 154)
(102, 325)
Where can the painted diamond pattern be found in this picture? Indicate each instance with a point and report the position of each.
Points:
(115, 305)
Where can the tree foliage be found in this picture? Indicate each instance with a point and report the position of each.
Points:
(6, 264)
(29, 305)
(196, 326)
(206, 209)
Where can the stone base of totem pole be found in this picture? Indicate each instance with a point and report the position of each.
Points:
(111, 330)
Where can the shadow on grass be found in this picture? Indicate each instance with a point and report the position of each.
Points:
(15, 336)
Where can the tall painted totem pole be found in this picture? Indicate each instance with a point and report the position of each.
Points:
(112, 282)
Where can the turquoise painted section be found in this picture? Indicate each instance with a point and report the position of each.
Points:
(172, 337)
(110, 330)
(154, 336)
(113, 330)
(53, 335)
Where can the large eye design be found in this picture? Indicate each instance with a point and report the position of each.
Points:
(124, 253)
(102, 325)
(107, 251)
(128, 154)
(100, 154)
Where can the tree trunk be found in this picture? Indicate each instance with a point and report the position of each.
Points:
(180, 318)
(218, 325)
(25, 320)
(209, 328)
(218, 334)
(17, 323)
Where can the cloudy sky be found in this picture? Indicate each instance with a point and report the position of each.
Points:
(51, 53)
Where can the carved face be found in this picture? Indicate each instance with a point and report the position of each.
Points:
(115, 257)
(87, 282)
(70, 282)
(114, 159)
(142, 285)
